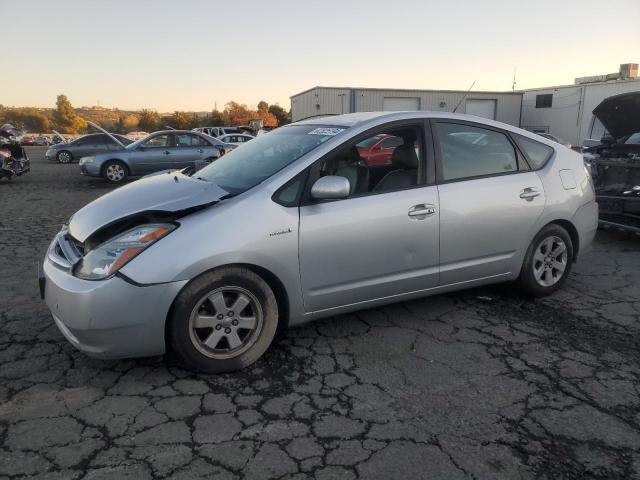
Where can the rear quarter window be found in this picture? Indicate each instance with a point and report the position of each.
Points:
(537, 153)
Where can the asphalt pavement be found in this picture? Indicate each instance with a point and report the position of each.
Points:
(480, 384)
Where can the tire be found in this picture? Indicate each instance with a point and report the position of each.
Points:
(541, 274)
(114, 171)
(64, 156)
(208, 301)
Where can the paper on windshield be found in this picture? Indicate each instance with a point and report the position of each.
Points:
(327, 131)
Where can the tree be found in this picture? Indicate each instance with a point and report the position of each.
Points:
(280, 113)
(263, 107)
(216, 119)
(65, 117)
(180, 120)
(130, 123)
(268, 119)
(148, 120)
(237, 114)
(28, 119)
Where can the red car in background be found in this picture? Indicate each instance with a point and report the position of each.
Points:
(377, 151)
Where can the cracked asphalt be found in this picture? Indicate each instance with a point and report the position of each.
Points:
(481, 384)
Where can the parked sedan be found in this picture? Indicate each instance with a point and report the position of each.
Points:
(295, 226)
(86, 145)
(236, 138)
(164, 150)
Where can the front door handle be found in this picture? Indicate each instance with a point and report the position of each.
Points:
(529, 193)
(200, 151)
(421, 211)
(167, 152)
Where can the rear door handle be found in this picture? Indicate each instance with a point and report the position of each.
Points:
(421, 211)
(529, 193)
(167, 152)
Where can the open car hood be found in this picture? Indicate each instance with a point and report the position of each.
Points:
(7, 131)
(620, 114)
(168, 192)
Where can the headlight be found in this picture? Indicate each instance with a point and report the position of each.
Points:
(106, 259)
(84, 160)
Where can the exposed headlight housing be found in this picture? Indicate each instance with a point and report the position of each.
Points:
(85, 160)
(106, 259)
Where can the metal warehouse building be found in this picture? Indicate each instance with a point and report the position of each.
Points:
(318, 101)
(566, 111)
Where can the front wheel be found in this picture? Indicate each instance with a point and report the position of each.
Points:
(223, 321)
(115, 171)
(64, 156)
(547, 263)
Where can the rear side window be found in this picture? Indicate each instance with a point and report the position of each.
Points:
(537, 153)
(468, 151)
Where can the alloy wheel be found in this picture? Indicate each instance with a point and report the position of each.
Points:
(225, 322)
(64, 157)
(115, 172)
(550, 261)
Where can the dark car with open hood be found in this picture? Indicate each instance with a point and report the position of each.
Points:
(14, 162)
(615, 162)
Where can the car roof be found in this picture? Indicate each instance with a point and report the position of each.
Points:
(364, 119)
(175, 131)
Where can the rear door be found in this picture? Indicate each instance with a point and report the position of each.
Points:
(189, 150)
(489, 201)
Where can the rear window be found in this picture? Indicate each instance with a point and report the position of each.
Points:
(537, 153)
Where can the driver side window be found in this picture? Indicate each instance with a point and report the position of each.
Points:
(371, 169)
(159, 141)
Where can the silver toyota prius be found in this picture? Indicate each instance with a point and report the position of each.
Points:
(299, 224)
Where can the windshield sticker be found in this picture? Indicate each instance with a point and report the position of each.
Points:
(326, 131)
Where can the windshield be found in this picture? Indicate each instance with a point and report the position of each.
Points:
(134, 145)
(260, 158)
(633, 139)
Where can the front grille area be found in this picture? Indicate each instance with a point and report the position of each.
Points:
(65, 250)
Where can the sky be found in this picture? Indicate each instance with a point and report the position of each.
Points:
(194, 55)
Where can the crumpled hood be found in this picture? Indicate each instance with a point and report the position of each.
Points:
(620, 114)
(169, 192)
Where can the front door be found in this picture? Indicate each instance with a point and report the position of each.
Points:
(489, 202)
(382, 240)
(154, 154)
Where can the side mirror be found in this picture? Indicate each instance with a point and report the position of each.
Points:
(331, 187)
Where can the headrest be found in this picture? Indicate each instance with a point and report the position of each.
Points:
(404, 156)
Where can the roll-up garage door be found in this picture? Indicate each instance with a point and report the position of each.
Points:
(481, 108)
(396, 104)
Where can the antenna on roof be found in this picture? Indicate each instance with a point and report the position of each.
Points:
(513, 86)
(464, 96)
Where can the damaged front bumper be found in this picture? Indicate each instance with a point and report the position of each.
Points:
(112, 318)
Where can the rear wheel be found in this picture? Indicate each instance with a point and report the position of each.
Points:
(547, 263)
(64, 156)
(115, 171)
(223, 321)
